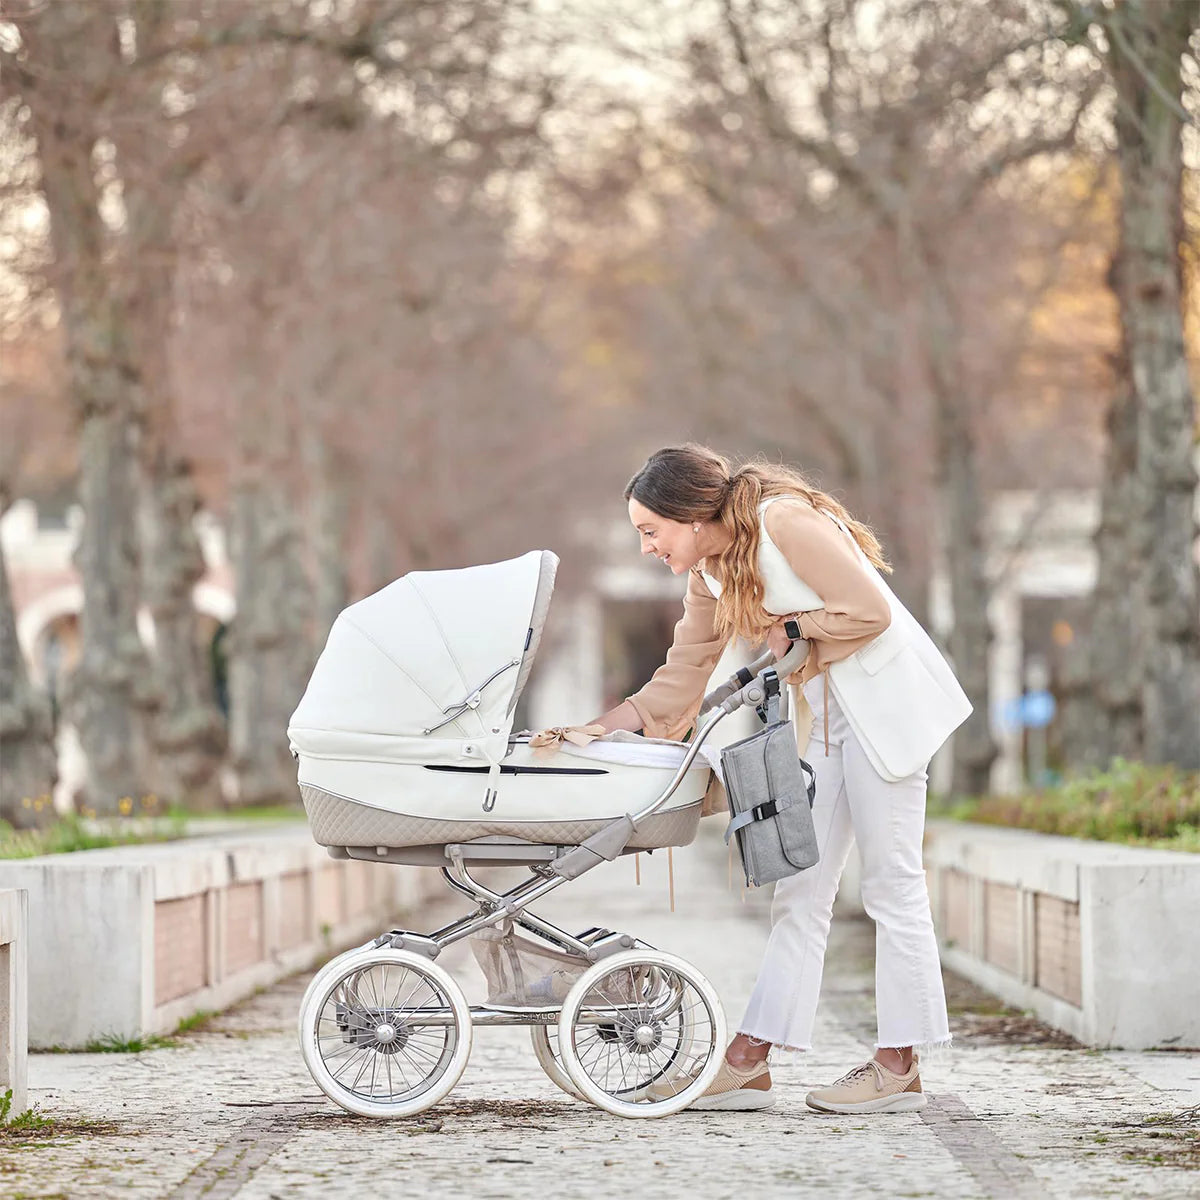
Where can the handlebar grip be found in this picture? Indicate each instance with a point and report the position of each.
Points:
(789, 662)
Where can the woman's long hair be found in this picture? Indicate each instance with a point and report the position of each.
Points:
(694, 483)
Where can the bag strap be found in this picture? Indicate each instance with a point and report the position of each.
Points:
(760, 812)
(771, 808)
(812, 782)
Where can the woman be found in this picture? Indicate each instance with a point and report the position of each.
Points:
(769, 556)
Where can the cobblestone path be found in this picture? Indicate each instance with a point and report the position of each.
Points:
(229, 1110)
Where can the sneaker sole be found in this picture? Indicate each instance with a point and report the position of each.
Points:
(901, 1102)
(743, 1100)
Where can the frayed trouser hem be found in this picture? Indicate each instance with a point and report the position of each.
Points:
(766, 1041)
(927, 1050)
(778, 1048)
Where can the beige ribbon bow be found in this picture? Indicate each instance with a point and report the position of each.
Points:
(549, 740)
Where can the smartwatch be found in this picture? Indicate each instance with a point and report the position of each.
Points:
(792, 628)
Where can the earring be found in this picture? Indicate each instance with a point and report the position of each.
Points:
(695, 528)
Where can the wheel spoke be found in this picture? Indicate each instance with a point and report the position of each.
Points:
(407, 1066)
(666, 999)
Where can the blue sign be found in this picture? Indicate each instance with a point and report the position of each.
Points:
(1033, 710)
(1037, 709)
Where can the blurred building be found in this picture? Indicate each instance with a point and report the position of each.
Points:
(1041, 559)
(48, 599)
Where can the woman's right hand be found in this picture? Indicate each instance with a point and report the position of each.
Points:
(624, 716)
(778, 641)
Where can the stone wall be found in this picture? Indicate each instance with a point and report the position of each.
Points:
(1093, 937)
(163, 931)
(14, 1000)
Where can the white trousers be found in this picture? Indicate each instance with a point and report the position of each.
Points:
(854, 804)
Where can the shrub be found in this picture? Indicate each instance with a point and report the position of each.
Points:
(1129, 802)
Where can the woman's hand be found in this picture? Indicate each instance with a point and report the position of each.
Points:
(777, 640)
(624, 716)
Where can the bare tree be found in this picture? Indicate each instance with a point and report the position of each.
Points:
(29, 772)
(34, 452)
(879, 170)
(898, 151)
(28, 769)
(1144, 649)
(340, 234)
(157, 151)
(66, 60)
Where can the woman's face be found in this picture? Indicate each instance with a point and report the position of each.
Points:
(673, 542)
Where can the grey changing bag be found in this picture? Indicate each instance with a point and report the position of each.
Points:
(771, 791)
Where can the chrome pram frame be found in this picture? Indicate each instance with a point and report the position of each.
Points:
(401, 1013)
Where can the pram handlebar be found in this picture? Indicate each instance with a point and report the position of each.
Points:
(728, 698)
(746, 687)
(797, 652)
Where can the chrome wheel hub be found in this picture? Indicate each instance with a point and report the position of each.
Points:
(390, 1037)
(643, 1038)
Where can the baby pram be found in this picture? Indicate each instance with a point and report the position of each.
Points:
(406, 755)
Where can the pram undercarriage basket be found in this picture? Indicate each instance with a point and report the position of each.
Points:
(406, 756)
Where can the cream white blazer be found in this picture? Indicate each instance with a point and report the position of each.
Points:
(898, 693)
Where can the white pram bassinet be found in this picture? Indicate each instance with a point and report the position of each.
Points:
(404, 734)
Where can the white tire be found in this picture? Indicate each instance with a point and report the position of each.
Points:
(327, 971)
(385, 1033)
(549, 1062)
(662, 1043)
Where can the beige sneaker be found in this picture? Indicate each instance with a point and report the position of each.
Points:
(871, 1088)
(733, 1090)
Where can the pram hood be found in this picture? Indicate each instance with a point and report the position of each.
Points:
(430, 668)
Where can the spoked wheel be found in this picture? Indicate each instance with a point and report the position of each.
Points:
(385, 1033)
(641, 1034)
(545, 1046)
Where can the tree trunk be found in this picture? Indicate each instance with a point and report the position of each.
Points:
(1103, 711)
(328, 526)
(76, 50)
(962, 528)
(970, 635)
(379, 549)
(1147, 42)
(269, 646)
(189, 731)
(26, 732)
(110, 697)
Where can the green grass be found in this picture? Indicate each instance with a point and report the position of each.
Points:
(197, 1020)
(1131, 802)
(73, 832)
(30, 1119)
(134, 825)
(251, 814)
(112, 1043)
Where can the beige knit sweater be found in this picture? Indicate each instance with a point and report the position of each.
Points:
(855, 612)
